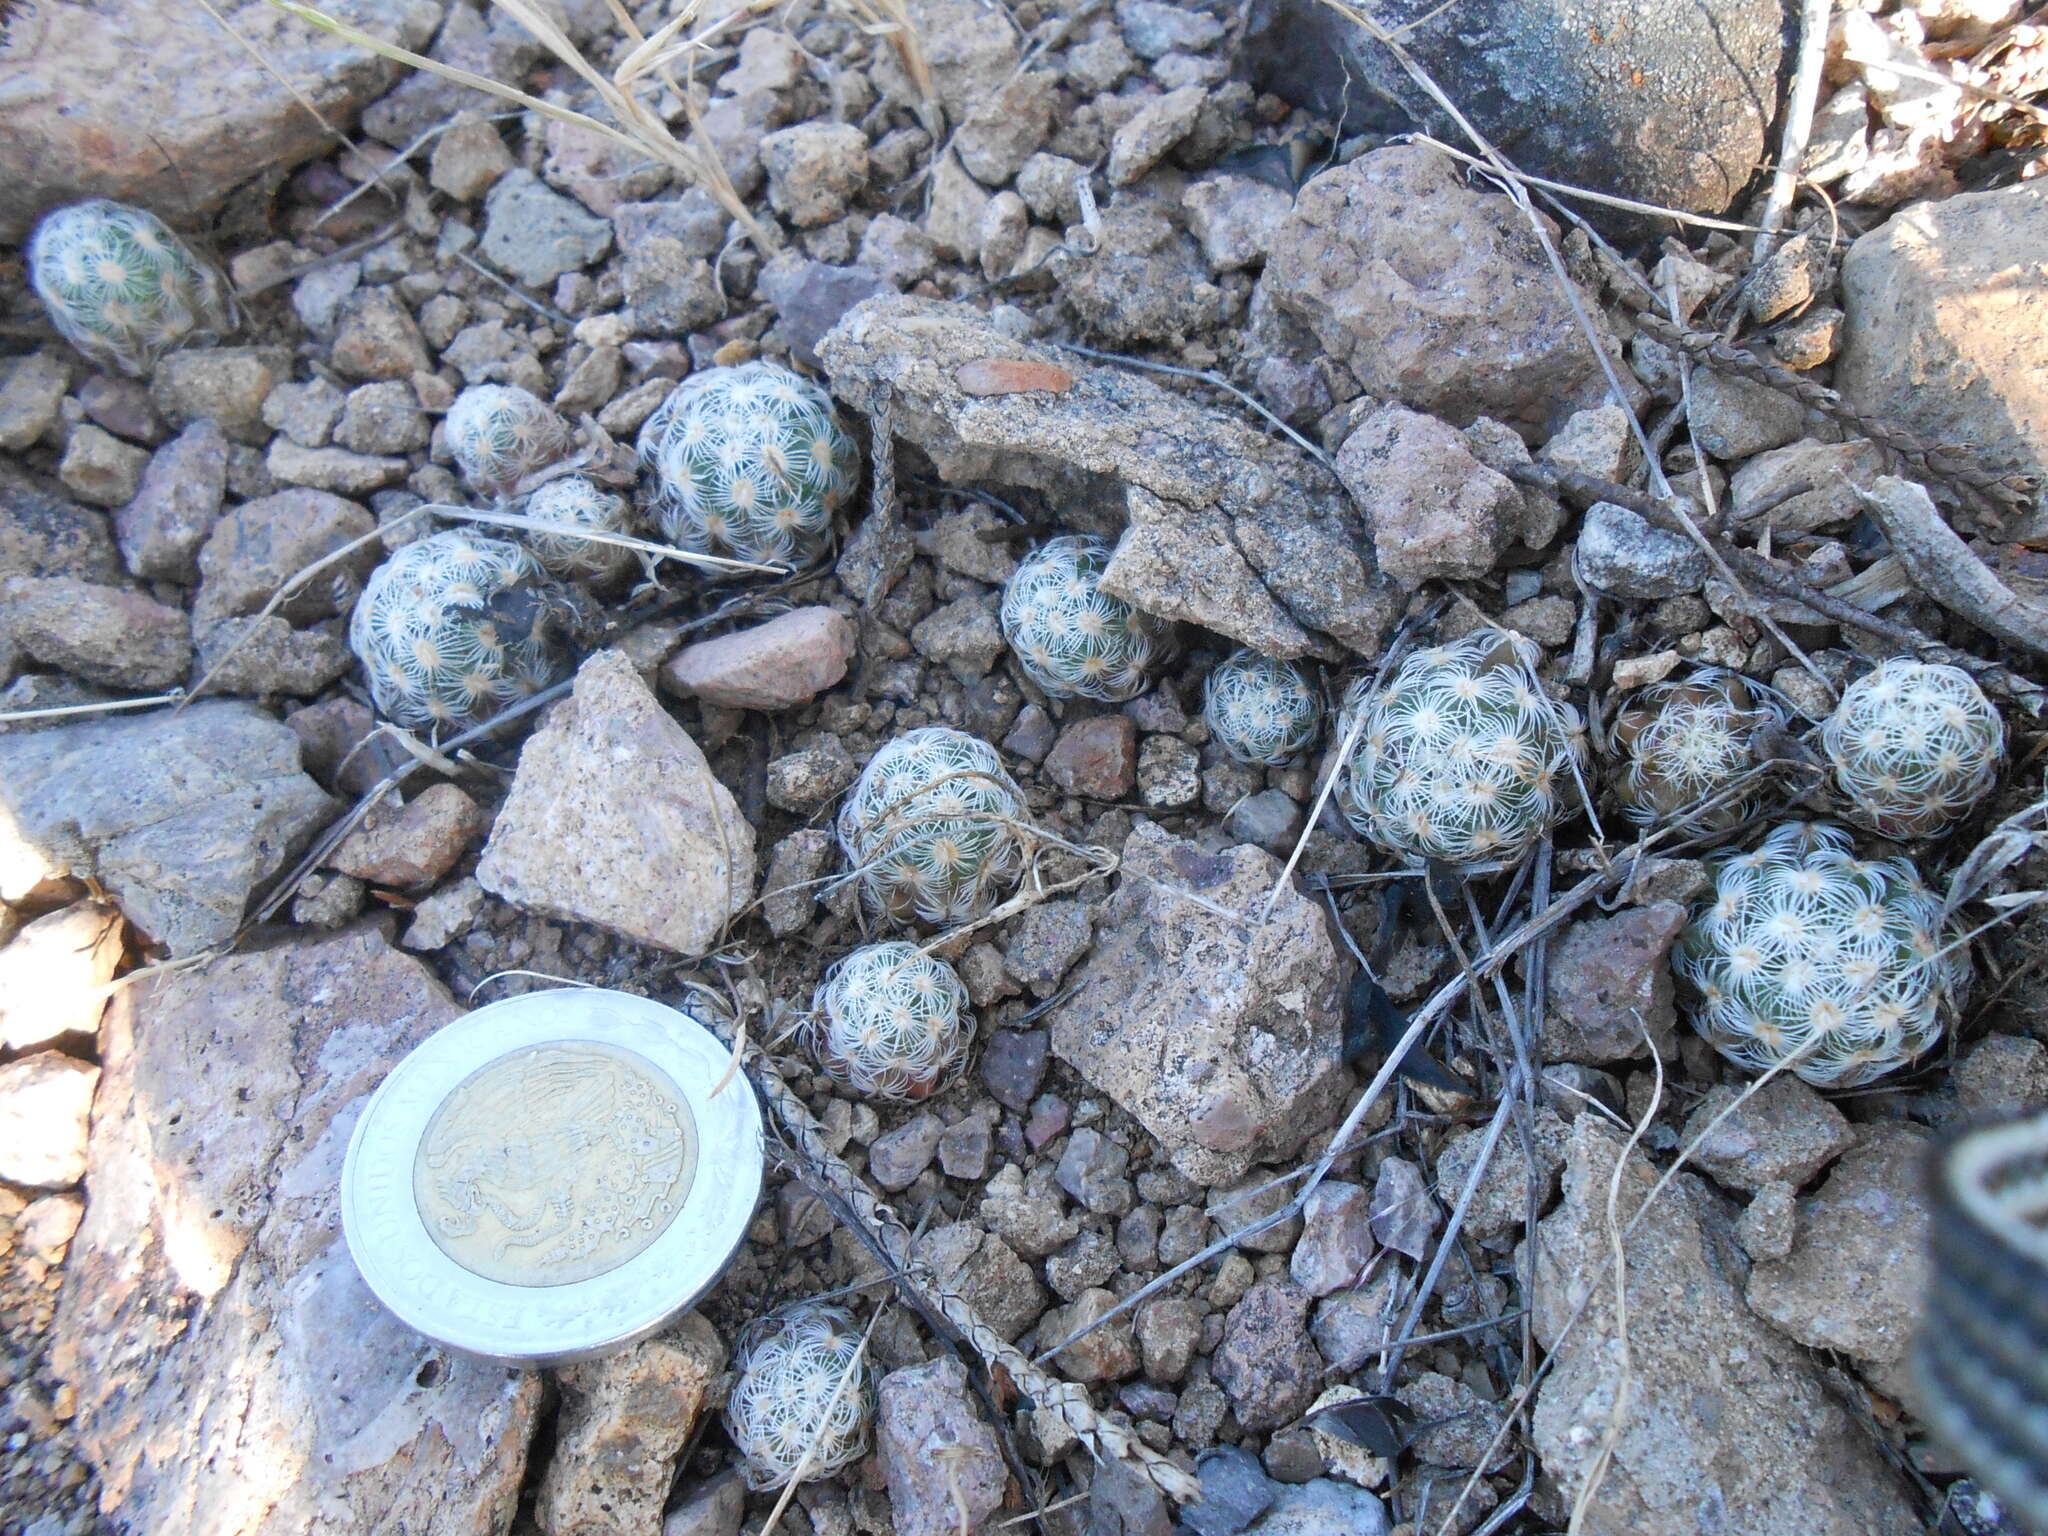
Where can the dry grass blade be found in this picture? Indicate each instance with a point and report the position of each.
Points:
(598, 536)
(891, 19)
(103, 707)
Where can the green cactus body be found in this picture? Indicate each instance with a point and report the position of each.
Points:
(580, 504)
(1808, 956)
(122, 288)
(786, 1409)
(1071, 637)
(931, 826)
(456, 626)
(499, 434)
(1261, 710)
(749, 463)
(1913, 746)
(1462, 757)
(1686, 741)
(890, 1022)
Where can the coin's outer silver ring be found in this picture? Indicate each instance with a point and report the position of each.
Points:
(550, 1325)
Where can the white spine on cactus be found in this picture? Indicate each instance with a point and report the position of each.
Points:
(1262, 710)
(786, 1402)
(122, 288)
(1071, 637)
(499, 434)
(749, 463)
(890, 1022)
(1914, 746)
(437, 640)
(1462, 757)
(579, 503)
(932, 827)
(1809, 956)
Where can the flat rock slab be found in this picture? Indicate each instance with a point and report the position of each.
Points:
(615, 818)
(1222, 1035)
(1221, 526)
(234, 1375)
(179, 816)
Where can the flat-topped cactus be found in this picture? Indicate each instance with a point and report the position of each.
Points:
(1914, 745)
(1809, 957)
(1687, 741)
(122, 288)
(499, 434)
(932, 827)
(890, 1022)
(1073, 639)
(1261, 710)
(749, 463)
(456, 626)
(787, 1401)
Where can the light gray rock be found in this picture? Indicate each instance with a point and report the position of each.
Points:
(178, 816)
(1092, 1171)
(30, 397)
(53, 972)
(943, 1463)
(1153, 129)
(176, 505)
(987, 1274)
(443, 916)
(1757, 491)
(1735, 418)
(233, 1373)
(262, 544)
(1725, 1415)
(1153, 28)
(376, 338)
(534, 234)
(1138, 278)
(1507, 1189)
(1622, 554)
(808, 780)
(1044, 943)
(896, 1159)
(1783, 1132)
(624, 1421)
(1434, 509)
(1769, 1224)
(1611, 996)
(1599, 441)
(1235, 218)
(45, 1102)
(1027, 1211)
(267, 656)
(1223, 1041)
(1006, 129)
(105, 635)
(99, 468)
(1336, 1238)
(225, 385)
(788, 898)
(615, 818)
(332, 469)
(713, 1509)
(1226, 527)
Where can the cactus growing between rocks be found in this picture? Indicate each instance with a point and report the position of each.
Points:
(749, 463)
(122, 288)
(1686, 741)
(1913, 746)
(932, 827)
(1809, 957)
(454, 627)
(1071, 637)
(1463, 757)
(1261, 710)
(581, 504)
(890, 1022)
(500, 434)
(786, 1402)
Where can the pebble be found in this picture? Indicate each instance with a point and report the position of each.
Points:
(788, 895)
(376, 338)
(1013, 1066)
(534, 234)
(1109, 1353)
(1404, 1216)
(1169, 774)
(805, 781)
(1095, 758)
(1045, 942)
(444, 916)
(1786, 1132)
(101, 469)
(1336, 1241)
(1266, 1362)
(226, 385)
(1092, 1171)
(52, 973)
(1169, 1332)
(814, 170)
(414, 844)
(175, 506)
(1624, 555)
(1154, 129)
(964, 1149)
(468, 158)
(896, 1159)
(102, 634)
(30, 399)
(45, 1102)
(787, 661)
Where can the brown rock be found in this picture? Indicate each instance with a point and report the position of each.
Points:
(233, 1375)
(944, 1465)
(1109, 1353)
(414, 844)
(1095, 758)
(262, 544)
(102, 634)
(176, 506)
(1783, 1132)
(1434, 509)
(1611, 985)
(377, 338)
(787, 661)
(1267, 1362)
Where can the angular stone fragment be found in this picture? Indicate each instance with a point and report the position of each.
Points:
(1434, 509)
(102, 634)
(1266, 1361)
(615, 818)
(1611, 992)
(1783, 1131)
(52, 974)
(943, 1463)
(787, 661)
(45, 1100)
(176, 506)
(414, 844)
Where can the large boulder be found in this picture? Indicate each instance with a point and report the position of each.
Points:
(1946, 325)
(1222, 1034)
(1657, 101)
(233, 1373)
(179, 816)
(1727, 1424)
(155, 104)
(1221, 525)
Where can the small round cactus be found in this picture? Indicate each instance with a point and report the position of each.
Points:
(890, 1022)
(455, 626)
(1914, 746)
(787, 1401)
(1261, 710)
(749, 463)
(122, 288)
(1072, 638)
(581, 504)
(500, 434)
(932, 827)
(1687, 740)
(1812, 958)
(1461, 758)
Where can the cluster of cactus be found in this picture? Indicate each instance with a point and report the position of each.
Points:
(499, 434)
(1687, 743)
(890, 1022)
(1913, 746)
(802, 1396)
(1810, 958)
(454, 627)
(579, 503)
(1462, 758)
(932, 827)
(1261, 710)
(1073, 639)
(122, 288)
(749, 463)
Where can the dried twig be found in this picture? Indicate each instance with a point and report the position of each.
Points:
(1943, 567)
(1806, 79)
